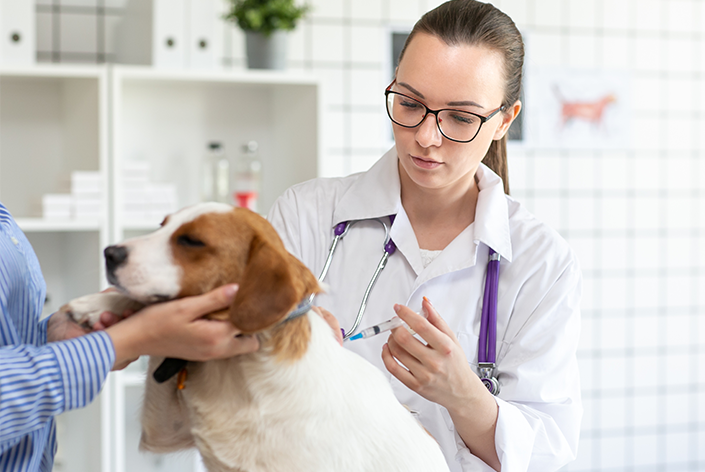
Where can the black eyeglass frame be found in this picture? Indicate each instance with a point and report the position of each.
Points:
(483, 119)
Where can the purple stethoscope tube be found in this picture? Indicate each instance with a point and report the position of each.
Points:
(488, 322)
(486, 354)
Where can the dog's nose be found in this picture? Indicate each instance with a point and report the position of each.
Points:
(115, 256)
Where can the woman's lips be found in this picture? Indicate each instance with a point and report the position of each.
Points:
(425, 163)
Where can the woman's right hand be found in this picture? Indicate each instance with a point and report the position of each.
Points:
(177, 329)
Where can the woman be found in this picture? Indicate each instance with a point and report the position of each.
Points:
(455, 94)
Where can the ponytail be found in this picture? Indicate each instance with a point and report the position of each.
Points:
(496, 159)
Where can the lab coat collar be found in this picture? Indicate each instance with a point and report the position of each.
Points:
(492, 213)
(377, 193)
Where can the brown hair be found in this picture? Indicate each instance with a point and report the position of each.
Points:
(475, 23)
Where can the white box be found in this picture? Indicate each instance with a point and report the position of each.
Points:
(86, 182)
(17, 32)
(57, 206)
(163, 193)
(136, 196)
(136, 212)
(87, 209)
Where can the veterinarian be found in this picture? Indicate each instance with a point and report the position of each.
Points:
(442, 192)
(51, 366)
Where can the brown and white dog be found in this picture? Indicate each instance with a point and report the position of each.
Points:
(302, 403)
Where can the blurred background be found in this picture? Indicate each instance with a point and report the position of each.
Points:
(610, 153)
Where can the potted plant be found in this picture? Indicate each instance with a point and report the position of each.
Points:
(266, 23)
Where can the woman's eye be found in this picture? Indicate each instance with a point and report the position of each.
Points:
(186, 240)
(409, 104)
(463, 119)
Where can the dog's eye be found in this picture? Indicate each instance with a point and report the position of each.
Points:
(186, 240)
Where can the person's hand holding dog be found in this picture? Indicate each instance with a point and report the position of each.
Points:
(177, 329)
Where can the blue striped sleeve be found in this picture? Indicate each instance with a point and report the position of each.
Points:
(37, 383)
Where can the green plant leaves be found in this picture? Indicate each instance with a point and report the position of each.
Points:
(266, 16)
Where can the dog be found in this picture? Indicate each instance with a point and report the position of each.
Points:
(592, 112)
(302, 403)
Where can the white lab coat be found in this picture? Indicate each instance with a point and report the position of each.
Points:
(538, 311)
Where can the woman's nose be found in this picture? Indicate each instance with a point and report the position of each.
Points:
(428, 134)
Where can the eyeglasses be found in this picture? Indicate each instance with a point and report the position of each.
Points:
(457, 125)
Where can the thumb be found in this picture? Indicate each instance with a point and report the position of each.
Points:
(434, 318)
(216, 299)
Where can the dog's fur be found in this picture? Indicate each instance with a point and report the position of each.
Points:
(302, 402)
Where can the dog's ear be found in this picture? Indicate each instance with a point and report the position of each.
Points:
(307, 283)
(267, 289)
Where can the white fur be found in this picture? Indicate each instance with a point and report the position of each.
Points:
(86, 310)
(329, 411)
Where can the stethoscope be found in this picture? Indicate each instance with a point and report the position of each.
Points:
(488, 322)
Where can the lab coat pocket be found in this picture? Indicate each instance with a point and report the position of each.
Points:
(469, 342)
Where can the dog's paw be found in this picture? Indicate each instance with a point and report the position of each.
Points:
(86, 310)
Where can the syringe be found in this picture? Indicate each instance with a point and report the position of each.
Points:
(380, 328)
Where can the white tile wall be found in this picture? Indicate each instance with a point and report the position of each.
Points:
(635, 215)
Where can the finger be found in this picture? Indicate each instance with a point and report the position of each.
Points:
(428, 332)
(217, 299)
(108, 318)
(435, 319)
(332, 322)
(109, 290)
(412, 362)
(394, 368)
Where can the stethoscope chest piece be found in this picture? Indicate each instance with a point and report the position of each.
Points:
(488, 378)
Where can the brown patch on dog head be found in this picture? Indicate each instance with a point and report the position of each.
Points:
(242, 247)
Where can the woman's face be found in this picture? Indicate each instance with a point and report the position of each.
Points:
(461, 77)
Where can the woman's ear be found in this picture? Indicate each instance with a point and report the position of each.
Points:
(508, 116)
(267, 289)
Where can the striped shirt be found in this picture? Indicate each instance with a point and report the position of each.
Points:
(38, 380)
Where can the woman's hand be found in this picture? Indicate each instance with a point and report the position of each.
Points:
(62, 327)
(332, 321)
(440, 372)
(177, 329)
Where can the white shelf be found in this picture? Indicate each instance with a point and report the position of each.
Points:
(54, 71)
(41, 225)
(132, 379)
(252, 77)
(55, 119)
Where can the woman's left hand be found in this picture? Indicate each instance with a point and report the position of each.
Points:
(438, 370)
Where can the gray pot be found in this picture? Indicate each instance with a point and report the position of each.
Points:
(266, 52)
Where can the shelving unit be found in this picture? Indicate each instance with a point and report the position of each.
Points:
(58, 119)
(167, 119)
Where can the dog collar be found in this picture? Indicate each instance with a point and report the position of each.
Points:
(303, 308)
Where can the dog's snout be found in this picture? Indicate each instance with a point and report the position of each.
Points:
(115, 256)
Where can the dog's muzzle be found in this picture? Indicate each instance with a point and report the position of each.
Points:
(115, 256)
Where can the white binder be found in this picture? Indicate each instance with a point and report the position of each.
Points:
(169, 41)
(201, 34)
(17, 32)
(170, 34)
